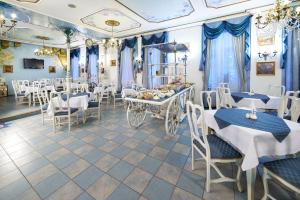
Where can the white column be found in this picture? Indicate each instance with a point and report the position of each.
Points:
(68, 76)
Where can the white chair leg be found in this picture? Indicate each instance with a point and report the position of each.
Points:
(238, 177)
(54, 124)
(265, 183)
(69, 119)
(43, 118)
(207, 176)
(193, 157)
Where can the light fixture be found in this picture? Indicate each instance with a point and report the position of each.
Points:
(265, 55)
(112, 42)
(7, 25)
(44, 51)
(284, 14)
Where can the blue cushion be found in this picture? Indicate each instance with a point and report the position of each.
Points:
(61, 113)
(93, 104)
(287, 169)
(218, 148)
(21, 94)
(271, 113)
(45, 107)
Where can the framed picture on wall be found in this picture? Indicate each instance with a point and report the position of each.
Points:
(265, 40)
(8, 68)
(265, 68)
(52, 69)
(113, 63)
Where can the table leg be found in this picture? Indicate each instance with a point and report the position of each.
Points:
(251, 176)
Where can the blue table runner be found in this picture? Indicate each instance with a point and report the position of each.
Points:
(65, 97)
(237, 96)
(264, 122)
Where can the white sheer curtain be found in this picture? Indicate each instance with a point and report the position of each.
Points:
(223, 63)
(75, 67)
(93, 71)
(126, 67)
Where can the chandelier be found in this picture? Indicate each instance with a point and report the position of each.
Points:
(283, 14)
(112, 42)
(44, 51)
(7, 25)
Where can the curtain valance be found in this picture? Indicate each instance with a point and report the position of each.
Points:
(75, 53)
(92, 50)
(155, 38)
(235, 29)
(130, 43)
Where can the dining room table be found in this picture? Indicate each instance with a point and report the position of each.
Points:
(249, 99)
(268, 135)
(76, 100)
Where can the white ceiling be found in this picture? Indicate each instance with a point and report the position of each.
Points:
(137, 16)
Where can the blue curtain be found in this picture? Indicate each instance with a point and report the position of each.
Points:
(291, 60)
(75, 55)
(236, 28)
(92, 57)
(130, 45)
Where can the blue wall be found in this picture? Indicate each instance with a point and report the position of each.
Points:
(19, 73)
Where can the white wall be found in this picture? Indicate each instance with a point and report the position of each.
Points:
(19, 73)
(191, 36)
(260, 84)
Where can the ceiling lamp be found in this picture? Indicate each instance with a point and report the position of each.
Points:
(112, 42)
(44, 51)
(283, 14)
(7, 25)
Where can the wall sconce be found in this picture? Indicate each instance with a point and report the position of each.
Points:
(138, 61)
(265, 55)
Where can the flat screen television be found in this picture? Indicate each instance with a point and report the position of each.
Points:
(32, 63)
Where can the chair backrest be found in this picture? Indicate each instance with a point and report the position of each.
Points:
(128, 92)
(276, 90)
(60, 101)
(224, 97)
(84, 87)
(15, 87)
(285, 104)
(209, 99)
(99, 94)
(224, 85)
(295, 109)
(195, 114)
(43, 97)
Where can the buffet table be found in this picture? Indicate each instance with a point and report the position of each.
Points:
(170, 108)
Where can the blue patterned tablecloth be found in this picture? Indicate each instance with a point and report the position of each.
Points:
(264, 122)
(237, 96)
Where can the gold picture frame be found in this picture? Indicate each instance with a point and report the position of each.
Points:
(113, 63)
(265, 68)
(265, 40)
(52, 69)
(8, 68)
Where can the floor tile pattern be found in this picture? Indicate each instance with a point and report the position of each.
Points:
(106, 159)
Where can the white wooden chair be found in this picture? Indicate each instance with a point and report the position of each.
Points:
(224, 97)
(62, 114)
(20, 96)
(44, 102)
(211, 148)
(94, 107)
(207, 97)
(285, 105)
(284, 171)
(276, 90)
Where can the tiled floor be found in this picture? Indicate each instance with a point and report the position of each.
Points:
(105, 159)
(9, 109)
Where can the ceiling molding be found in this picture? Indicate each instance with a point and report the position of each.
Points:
(84, 21)
(151, 21)
(222, 6)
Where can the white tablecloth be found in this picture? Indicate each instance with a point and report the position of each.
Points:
(80, 102)
(273, 103)
(31, 89)
(255, 143)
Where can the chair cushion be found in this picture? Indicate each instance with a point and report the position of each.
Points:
(287, 169)
(61, 113)
(21, 94)
(93, 104)
(45, 107)
(218, 148)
